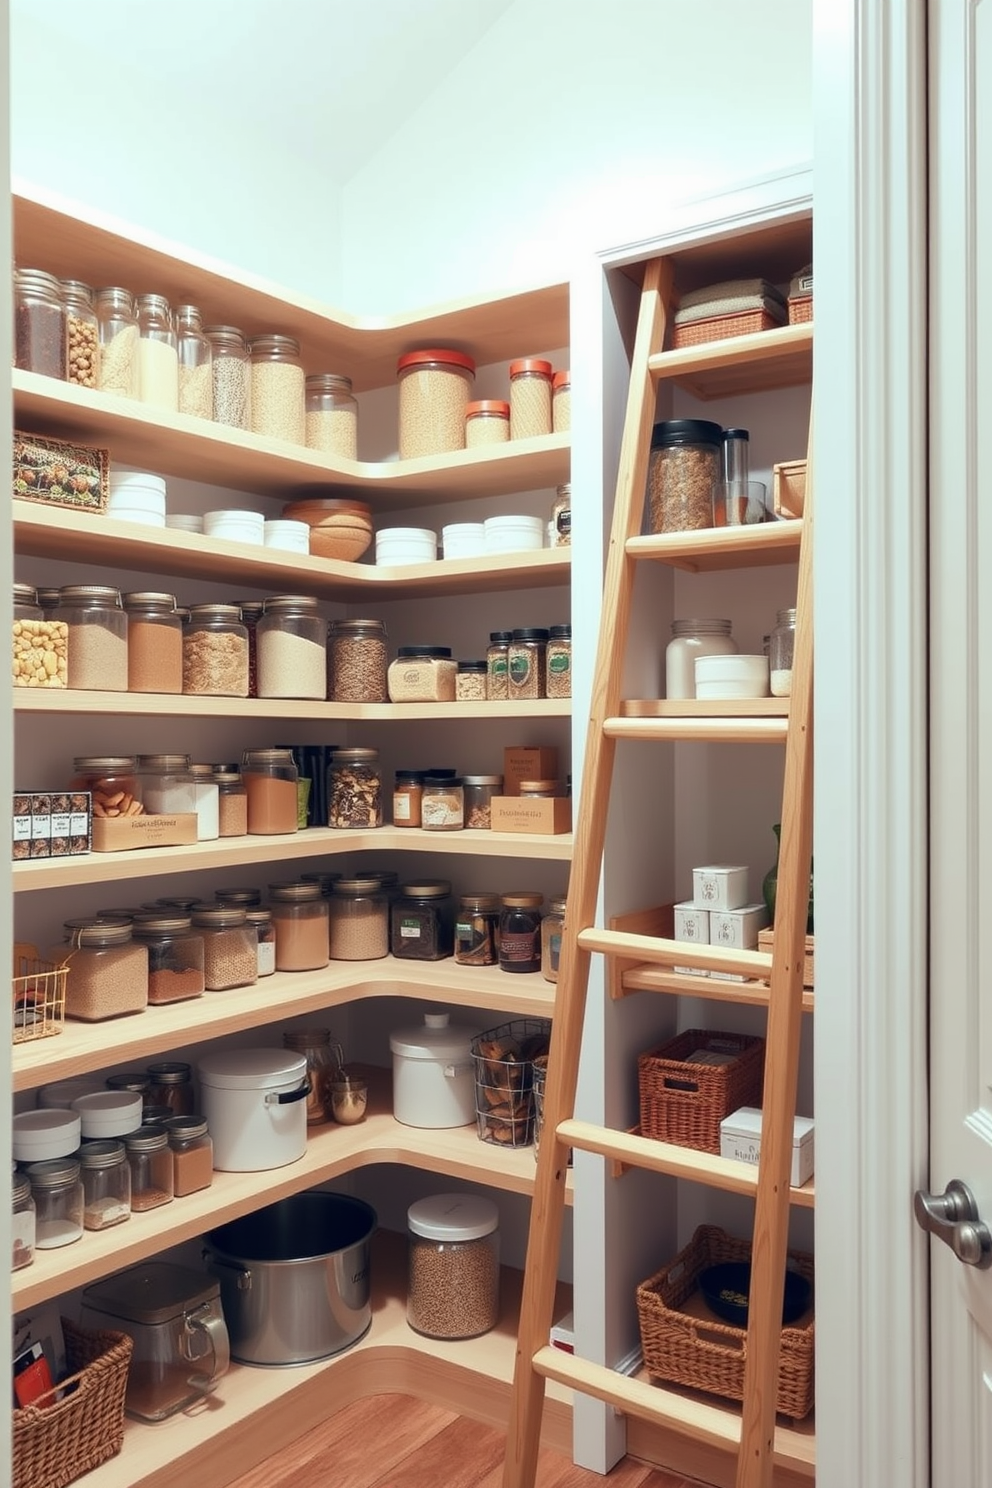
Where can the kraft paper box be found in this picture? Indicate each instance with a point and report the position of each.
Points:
(120, 833)
(766, 941)
(740, 1138)
(536, 814)
(693, 925)
(50, 824)
(521, 762)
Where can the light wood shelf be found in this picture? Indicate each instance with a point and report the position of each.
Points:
(654, 979)
(767, 707)
(740, 727)
(760, 362)
(713, 549)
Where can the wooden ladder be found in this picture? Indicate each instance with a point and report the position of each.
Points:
(536, 1360)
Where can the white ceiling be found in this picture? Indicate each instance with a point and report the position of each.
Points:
(332, 80)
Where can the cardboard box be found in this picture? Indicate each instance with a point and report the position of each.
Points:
(719, 886)
(740, 1138)
(535, 814)
(789, 488)
(80, 822)
(20, 836)
(52, 824)
(122, 833)
(766, 941)
(520, 762)
(41, 824)
(691, 924)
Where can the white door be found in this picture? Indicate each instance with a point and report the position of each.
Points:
(961, 720)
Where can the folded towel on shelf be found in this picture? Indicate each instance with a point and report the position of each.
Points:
(732, 297)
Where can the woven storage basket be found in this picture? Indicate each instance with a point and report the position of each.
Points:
(685, 1103)
(721, 327)
(55, 1444)
(800, 309)
(698, 1350)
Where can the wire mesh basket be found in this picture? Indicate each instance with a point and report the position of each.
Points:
(39, 995)
(504, 1080)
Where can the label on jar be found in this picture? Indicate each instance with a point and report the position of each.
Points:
(563, 523)
(409, 929)
(266, 957)
(519, 948)
(401, 807)
(559, 661)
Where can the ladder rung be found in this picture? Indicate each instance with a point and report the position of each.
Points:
(660, 952)
(701, 730)
(658, 979)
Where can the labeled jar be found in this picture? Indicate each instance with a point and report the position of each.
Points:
(166, 783)
(206, 802)
(292, 648)
(479, 791)
(278, 388)
(442, 806)
(215, 652)
(158, 357)
(117, 322)
(520, 932)
(111, 779)
(271, 780)
(106, 1176)
(192, 1152)
(537, 790)
(357, 662)
(154, 642)
(487, 421)
(57, 1190)
(232, 803)
(97, 637)
(561, 402)
(453, 1266)
(422, 921)
(407, 798)
(22, 1223)
(150, 1161)
(230, 376)
(561, 517)
(331, 415)
(422, 674)
(171, 1084)
(470, 682)
(354, 789)
(195, 355)
(261, 921)
(692, 638)
(299, 918)
(82, 333)
(359, 920)
(434, 387)
(175, 958)
(526, 663)
(40, 646)
(558, 662)
(497, 666)
(683, 466)
(477, 930)
(324, 1061)
(530, 398)
(106, 970)
(781, 652)
(552, 929)
(230, 947)
(40, 343)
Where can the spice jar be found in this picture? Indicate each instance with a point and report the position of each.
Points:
(552, 928)
(683, 466)
(530, 398)
(57, 1191)
(324, 1060)
(331, 415)
(487, 422)
(106, 1176)
(520, 932)
(442, 806)
(22, 1224)
(195, 354)
(166, 783)
(354, 789)
(230, 947)
(407, 797)
(230, 375)
(278, 388)
(470, 682)
(453, 1264)
(292, 648)
(299, 918)
(215, 652)
(232, 804)
(175, 957)
(422, 921)
(271, 779)
(477, 930)
(150, 1161)
(106, 971)
(359, 920)
(781, 650)
(134, 1081)
(497, 666)
(171, 1084)
(158, 357)
(357, 662)
(39, 323)
(192, 1154)
(526, 663)
(561, 402)
(692, 638)
(558, 662)
(117, 321)
(82, 332)
(154, 642)
(433, 397)
(422, 674)
(40, 644)
(561, 517)
(261, 920)
(97, 637)
(479, 792)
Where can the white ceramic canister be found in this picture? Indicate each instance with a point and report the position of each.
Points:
(184, 521)
(514, 534)
(136, 497)
(108, 1113)
(291, 537)
(731, 677)
(254, 1103)
(397, 545)
(45, 1133)
(234, 525)
(464, 540)
(433, 1073)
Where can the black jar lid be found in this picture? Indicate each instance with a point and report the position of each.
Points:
(471, 666)
(686, 431)
(500, 637)
(424, 651)
(530, 633)
(447, 782)
(560, 633)
(409, 777)
(439, 772)
(736, 434)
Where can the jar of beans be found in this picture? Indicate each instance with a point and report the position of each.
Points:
(422, 921)
(331, 415)
(487, 422)
(470, 683)
(442, 806)
(171, 1084)
(107, 971)
(278, 388)
(497, 663)
(192, 1151)
(357, 662)
(215, 652)
(683, 465)
(106, 1176)
(453, 1254)
(39, 323)
(477, 930)
(196, 386)
(354, 789)
(230, 375)
(407, 798)
(40, 644)
(175, 957)
(520, 932)
(154, 642)
(292, 648)
(359, 920)
(526, 663)
(558, 662)
(232, 803)
(561, 402)
(83, 332)
(97, 637)
(261, 921)
(479, 792)
(434, 387)
(230, 947)
(299, 918)
(117, 319)
(530, 398)
(152, 1179)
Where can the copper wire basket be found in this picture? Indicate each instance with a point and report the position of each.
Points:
(39, 995)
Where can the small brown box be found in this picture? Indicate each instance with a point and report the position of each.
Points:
(80, 822)
(41, 824)
(60, 473)
(122, 833)
(766, 940)
(521, 762)
(21, 826)
(534, 814)
(789, 488)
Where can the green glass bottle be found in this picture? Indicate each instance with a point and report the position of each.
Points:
(769, 884)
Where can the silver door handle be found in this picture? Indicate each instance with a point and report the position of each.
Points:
(953, 1217)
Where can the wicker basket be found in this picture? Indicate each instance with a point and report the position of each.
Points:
(38, 995)
(800, 309)
(684, 1102)
(55, 1444)
(685, 1344)
(721, 327)
(504, 1080)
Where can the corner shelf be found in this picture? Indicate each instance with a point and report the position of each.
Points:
(713, 549)
(760, 362)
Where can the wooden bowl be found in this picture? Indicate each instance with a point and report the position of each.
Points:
(345, 543)
(339, 528)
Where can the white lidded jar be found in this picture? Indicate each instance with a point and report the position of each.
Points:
(255, 1104)
(453, 1254)
(692, 638)
(433, 1075)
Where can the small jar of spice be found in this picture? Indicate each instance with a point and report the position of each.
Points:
(151, 1168)
(558, 662)
(442, 804)
(497, 662)
(477, 930)
(192, 1151)
(106, 1176)
(422, 921)
(470, 683)
(171, 1084)
(175, 959)
(479, 791)
(261, 921)
(407, 795)
(526, 663)
(232, 803)
(22, 1228)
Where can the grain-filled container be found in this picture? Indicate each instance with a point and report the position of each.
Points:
(453, 1253)
(527, 663)
(359, 920)
(479, 791)
(230, 375)
(158, 356)
(196, 390)
(487, 421)
(560, 532)
(230, 947)
(299, 917)
(150, 1162)
(423, 674)
(192, 1151)
(357, 662)
(232, 804)
(254, 1102)
(40, 339)
(331, 415)
(278, 387)
(434, 387)
(271, 780)
(683, 467)
(97, 637)
(107, 971)
(82, 332)
(561, 402)
(470, 681)
(433, 1073)
(781, 652)
(442, 803)
(215, 652)
(530, 397)
(117, 359)
(558, 662)
(292, 648)
(154, 642)
(354, 789)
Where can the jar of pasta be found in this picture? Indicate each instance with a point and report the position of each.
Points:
(530, 397)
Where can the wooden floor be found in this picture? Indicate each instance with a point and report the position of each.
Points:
(395, 1441)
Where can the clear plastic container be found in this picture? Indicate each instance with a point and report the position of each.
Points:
(206, 802)
(172, 1085)
(434, 387)
(40, 343)
(232, 804)
(57, 1190)
(354, 789)
(278, 389)
(331, 415)
(299, 917)
(683, 467)
(83, 333)
(527, 664)
(470, 683)
(215, 652)
(325, 1059)
(106, 1176)
(107, 971)
(453, 1254)
(196, 386)
(487, 421)
(22, 1224)
(175, 957)
(442, 805)
(154, 642)
(422, 674)
(692, 638)
(479, 791)
(781, 651)
(530, 397)
(192, 1151)
(261, 920)
(150, 1160)
(271, 781)
(230, 375)
(359, 920)
(422, 921)
(357, 662)
(97, 637)
(158, 357)
(477, 930)
(230, 947)
(117, 318)
(292, 648)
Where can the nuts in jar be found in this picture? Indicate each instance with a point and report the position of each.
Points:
(683, 466)
(354, 789)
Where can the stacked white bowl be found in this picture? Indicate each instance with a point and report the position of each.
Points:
(514, 534)
(464, 539)
(235, 525)
(136, 496)
(398, 545)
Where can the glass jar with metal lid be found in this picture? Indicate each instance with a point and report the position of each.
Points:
(172, 1085)
(150, 1161)
(57, 1191)
(497, 664)
(248, 898)
(354, 789)
(39, 323)
(232, 803)
(175, 957)
(131, 1080)
(261, 920)
(539, 789)
(48, 598)
(154, 642)
(331, 415)
(325, 1060)
(683, 466)
(691, 638)
(158, 358)
(278, 389)
(357, 662)
(781, 651)
(359, 919)
(453, 1265)
(206, 801)
(477, 930)
(196, 388)
(520, 932)
(230, 947)
(230, 375)
(434, 385)
(526, 663)
(106, 1176)
(552, 927)
(40, 645)
(442, 805)
(192, 1151)
(82, 331)
(299, 917)
(22, 1223)
(111, 779)
(97, 637)
(166, 783)
(106, 971)
(292, 648)
(530, 397)
(251, 613)
(487, 421)
(271, 779)
(561, 402)
(558, 662)
(479, 791)
(215, 652)
(422, 921)
(117, 320)
(407, 798)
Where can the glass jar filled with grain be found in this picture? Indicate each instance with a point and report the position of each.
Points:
(83, 332)
(331, 415)
(215, 652)
(117, 321)
(150, 1161)
(97, 637)
(158, 357)
(171, 1084)
(470, 682)
(477, 930)
(357, 662)
(561, 516)
(561, 403)
(422, 921)
(442, 805)
(299, 918)
(434, 387)
(230, 946)
(106, 1176)
(359, 920)
(683, 465)
(154, 642)
(40, 343)
(453, 1265)
(196, 386)
(422, 674)
(530, 397)
(271, 781)
(479, 792)
(407, 798)
(175, 957)
(558, 662)
(261, 921)
(487, 421)
(251, 612)
(292, 648)
(278, 389)
(232, 803)
(230, 376)
(526, 663)
(106, 970)
(354, 789)
(192, 1151)
(497, 665)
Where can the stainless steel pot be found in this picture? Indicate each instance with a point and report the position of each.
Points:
(294, 1278)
